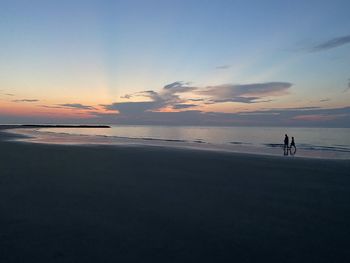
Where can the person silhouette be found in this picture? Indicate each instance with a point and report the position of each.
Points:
(286, 140)
(292, 144)
(286, 143)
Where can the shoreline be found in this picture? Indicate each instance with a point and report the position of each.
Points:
(26, 134)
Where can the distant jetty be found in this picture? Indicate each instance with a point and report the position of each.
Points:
(64, 126)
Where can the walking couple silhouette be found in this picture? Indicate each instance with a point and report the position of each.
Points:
(289, 149)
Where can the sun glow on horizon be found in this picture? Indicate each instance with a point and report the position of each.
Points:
(123, 61)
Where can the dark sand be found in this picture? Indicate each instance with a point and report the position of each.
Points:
(148, 204)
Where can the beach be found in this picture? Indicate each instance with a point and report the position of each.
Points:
(71, 203)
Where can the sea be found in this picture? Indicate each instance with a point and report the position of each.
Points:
(329, 143)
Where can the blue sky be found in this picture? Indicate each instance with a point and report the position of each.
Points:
(93, 53)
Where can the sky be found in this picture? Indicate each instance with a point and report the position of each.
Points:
(179, 62)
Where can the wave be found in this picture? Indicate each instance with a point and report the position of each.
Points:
(274, 145)
(240, 143)
(126, 137)
(324, 148)
(311, 147)
(303, 146)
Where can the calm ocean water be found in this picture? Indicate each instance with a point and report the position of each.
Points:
(310, 142)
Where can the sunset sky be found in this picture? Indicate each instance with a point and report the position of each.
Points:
(180, 62)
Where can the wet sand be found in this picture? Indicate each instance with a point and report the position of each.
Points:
(153, 204)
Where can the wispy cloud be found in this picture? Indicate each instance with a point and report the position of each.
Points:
(126, 96)
(171, 96)
(26, 100)
(3, 92)
(332, 43)
(199, 99)
(244, 93)
(291, 109)
(76, 106)
(179, 86)
(128, 108)
(184, 106)
(167, 97)
(223, 67)
(51, 106)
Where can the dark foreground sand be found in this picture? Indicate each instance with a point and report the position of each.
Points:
(134, 204)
